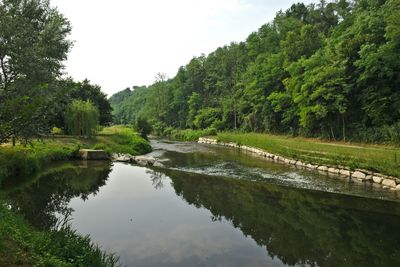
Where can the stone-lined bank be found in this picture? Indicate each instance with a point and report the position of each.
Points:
(388, 182)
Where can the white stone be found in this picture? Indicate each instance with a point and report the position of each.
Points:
(358, 175)
(389, 183)
(345, 173)
(333, 170)
(398, 187)
(292, 162)
(323, 168)
(377, 179)
(300, 164)
(158, 164)
(368, 178)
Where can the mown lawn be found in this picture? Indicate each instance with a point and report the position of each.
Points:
(383, 159)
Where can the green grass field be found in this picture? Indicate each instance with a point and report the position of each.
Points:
(382, 159)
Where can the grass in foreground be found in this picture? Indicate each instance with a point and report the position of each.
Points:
(381, 159)
(22, 245)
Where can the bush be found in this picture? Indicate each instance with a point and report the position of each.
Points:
(386, 134)
(19, 161)
(56, 131)
(191, 135)
(143, 127)
(207, 117)
(158, 128)
(125, 140)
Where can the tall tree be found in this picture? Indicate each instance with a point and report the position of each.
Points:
(82, 118)
(33, 44)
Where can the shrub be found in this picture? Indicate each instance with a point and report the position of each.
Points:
(207, 117)
(56, 131)
(143, 127)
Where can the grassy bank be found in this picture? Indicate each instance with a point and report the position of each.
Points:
(22, 161)
(22, 245)
(381, 159)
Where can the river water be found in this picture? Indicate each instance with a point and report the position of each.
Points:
(214, 206)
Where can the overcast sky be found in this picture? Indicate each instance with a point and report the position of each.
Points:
(122, 43)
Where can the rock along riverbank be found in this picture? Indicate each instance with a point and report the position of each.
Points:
(359, 175)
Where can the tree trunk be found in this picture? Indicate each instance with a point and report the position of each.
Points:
(13, 140)
(344, 129)
(234, 113)
(333, 135)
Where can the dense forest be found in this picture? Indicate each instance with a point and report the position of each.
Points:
(329, 70)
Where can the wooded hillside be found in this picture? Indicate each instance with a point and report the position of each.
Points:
(328, 70)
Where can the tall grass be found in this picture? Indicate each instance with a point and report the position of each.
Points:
(22, 245)
(22, 161)
(188, 134)
(121, 139)
(376, 158)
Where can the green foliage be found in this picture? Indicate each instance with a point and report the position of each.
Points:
(120, 139)
(82, 118)
(22, 161)
(207, 117)
(189, 134)
(143, 127)
(324, 70)
(33, 44)
(21, 244)
(86, 91)
(56, 130)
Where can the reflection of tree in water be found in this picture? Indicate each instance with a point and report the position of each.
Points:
(156, 178)
(48, 196)
(300, 226)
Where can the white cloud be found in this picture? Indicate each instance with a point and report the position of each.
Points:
(122, 43)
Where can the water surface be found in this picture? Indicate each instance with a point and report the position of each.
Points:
(214, 206)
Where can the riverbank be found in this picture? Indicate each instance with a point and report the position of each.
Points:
(359, 163)
(23, 245)
(382, 159)
(20, 161)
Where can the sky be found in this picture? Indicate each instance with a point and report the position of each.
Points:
(122, 43)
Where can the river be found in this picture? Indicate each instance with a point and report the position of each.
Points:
(215, 206)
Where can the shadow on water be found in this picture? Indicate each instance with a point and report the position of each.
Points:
(299, 226)
(44, 198)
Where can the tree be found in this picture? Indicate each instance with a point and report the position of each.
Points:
(86, 91)
(143, 127)
(33, 44)
(82, 118)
